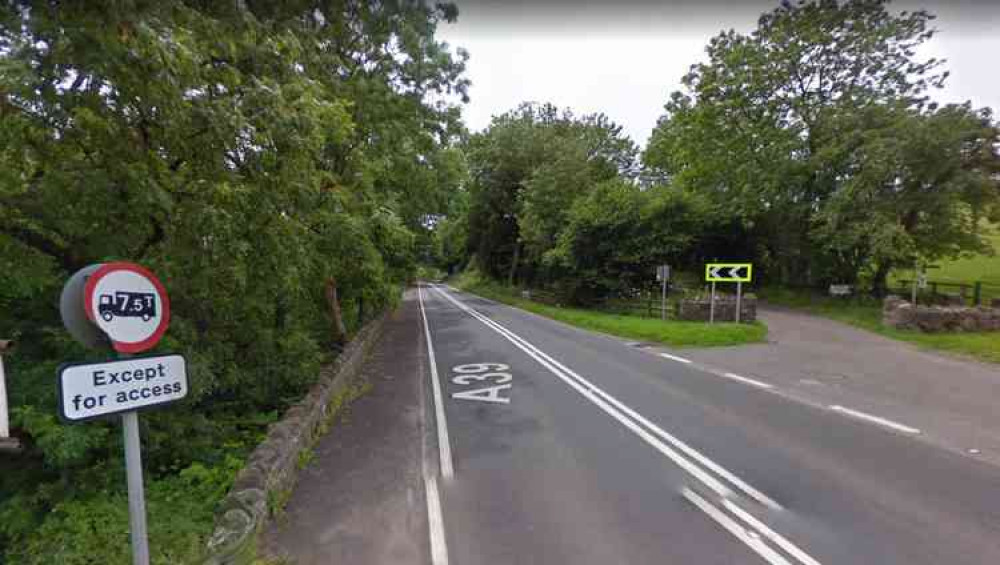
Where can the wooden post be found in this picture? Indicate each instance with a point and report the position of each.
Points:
(977, 294)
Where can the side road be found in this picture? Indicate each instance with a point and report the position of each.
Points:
(950, 401)
(361, 498)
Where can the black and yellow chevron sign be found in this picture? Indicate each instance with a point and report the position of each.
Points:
(728, 272)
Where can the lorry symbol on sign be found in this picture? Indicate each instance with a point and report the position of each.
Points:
(127, 305)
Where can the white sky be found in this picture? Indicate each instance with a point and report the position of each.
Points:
(624, 58)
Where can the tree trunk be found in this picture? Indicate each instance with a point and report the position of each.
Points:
(336, 318)
(880, 284)
(514, 264)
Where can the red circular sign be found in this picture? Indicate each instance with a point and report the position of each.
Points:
(129, 304)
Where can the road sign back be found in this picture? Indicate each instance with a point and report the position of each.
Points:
(728, 272)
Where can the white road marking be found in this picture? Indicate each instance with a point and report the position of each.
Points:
(875, 419)
(444, 444)
(675, 358)
(435, 521)
(732, 526)
(770, 534)
(619, 411)
(491, 394)
(745, 380)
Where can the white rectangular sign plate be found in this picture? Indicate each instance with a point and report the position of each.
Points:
(93, 390)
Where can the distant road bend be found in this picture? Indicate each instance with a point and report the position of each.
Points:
(555, 445)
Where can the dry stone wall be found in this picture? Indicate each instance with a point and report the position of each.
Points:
(698, 309)
(269, 475)
(900, 314)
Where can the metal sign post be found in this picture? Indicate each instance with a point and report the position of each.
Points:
(136, 493)
(663, 275)
(711, 306)
(739, 296)
(738, 273)
(125, 306)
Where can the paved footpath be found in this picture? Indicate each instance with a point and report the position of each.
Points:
(952, 401)
(361, 500)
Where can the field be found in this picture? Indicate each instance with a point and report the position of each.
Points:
(978, 268)
(672, 333)
(981, 268)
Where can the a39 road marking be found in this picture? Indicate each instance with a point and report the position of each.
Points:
(482, 372)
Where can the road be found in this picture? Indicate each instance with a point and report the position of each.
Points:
(554, 445)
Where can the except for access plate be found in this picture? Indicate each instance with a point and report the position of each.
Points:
(93, 390)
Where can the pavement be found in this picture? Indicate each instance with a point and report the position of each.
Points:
(361, 498)
(504, 437)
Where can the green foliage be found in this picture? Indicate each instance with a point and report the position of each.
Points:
(615, 236)
(246, 152)
(526, 169)
(814, 133)
(181, 514)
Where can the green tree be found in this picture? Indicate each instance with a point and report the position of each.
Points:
(527, 168)
(770, 127)
(261, 157)
(617, 234)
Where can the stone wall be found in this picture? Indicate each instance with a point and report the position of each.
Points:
(270, 472)
(900, 314)
(697, 309)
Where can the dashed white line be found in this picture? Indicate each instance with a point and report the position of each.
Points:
(444, 444)
(875, 419)
(745, 380)
(675, 358)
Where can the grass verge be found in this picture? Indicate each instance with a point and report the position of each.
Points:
(867, 314)
(672, 333)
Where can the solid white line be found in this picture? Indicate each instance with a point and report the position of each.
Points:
(745, 380)
(444, 444)
(770, 534)
(605, 401)
(435, 520)
(675, 358)
(733, 527)
(875, 419)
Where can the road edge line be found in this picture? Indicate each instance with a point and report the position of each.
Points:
(444, 443)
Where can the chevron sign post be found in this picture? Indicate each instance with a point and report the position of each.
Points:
(738, 273)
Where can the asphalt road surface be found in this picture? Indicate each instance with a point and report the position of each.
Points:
(555, 445)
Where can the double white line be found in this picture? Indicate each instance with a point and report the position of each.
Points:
(716, 478)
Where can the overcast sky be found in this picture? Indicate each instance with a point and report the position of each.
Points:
(624, 58)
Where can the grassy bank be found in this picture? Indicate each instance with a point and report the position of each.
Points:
(867, 314)
(672, 333)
